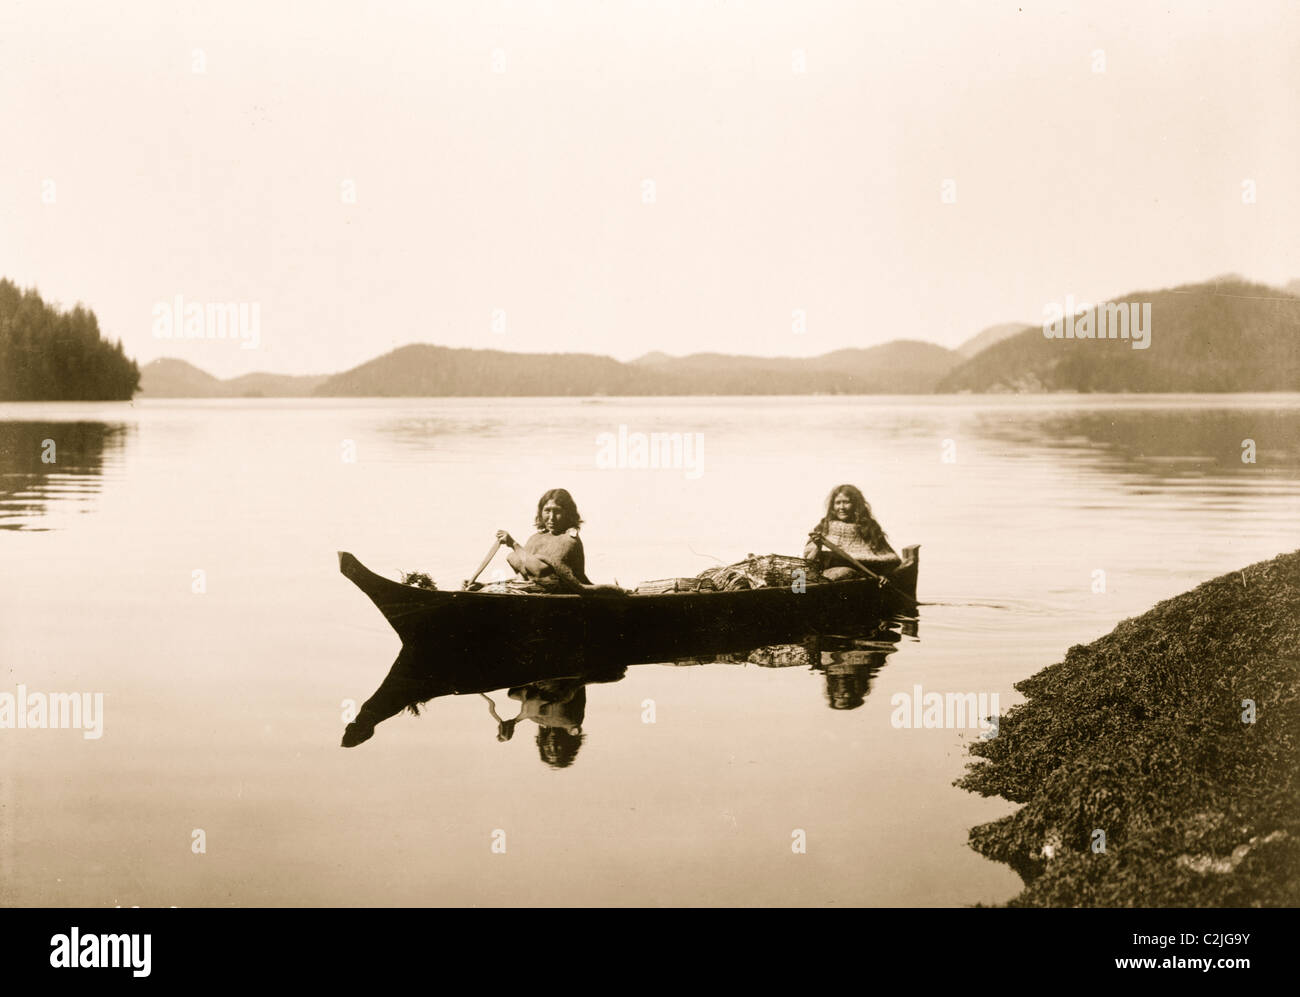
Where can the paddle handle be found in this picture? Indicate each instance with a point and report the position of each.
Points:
(834, 548)
(820, 539)
(492, 552)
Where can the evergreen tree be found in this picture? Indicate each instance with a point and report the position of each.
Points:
(51, 355)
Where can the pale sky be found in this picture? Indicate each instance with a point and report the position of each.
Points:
(522, 189)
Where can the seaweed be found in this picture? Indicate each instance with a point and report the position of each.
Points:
(1177, 737)
(420, 580)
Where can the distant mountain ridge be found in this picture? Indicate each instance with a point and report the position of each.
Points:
(899, 367)
(425, 370)
(1224, 334)
(419, 370)
(422, 370)
(171, 378)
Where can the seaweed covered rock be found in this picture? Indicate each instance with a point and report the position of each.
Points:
(1160, 765)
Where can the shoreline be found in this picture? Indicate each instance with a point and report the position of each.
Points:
(1157, 766)
(1063, 402)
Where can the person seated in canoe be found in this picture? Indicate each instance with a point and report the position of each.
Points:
(552, 559)
(849, 525)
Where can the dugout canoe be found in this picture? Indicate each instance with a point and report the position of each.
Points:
(420, 675)
(602, 624)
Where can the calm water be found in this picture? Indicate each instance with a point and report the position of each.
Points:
(223, 710)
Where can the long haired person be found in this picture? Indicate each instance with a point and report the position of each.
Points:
(849, 525)
(552, 558)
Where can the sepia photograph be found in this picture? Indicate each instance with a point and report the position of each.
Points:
(649, 454)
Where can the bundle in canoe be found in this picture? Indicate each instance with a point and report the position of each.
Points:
(604, 620)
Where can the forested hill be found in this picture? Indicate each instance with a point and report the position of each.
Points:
(1216, 336)
(51, 355)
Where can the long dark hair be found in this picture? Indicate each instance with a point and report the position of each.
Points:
(565, 501)
(868, 529)
(558, 746)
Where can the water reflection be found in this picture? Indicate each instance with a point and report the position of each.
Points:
(849, 670)
(551, 690)
(1157, 444)
(558, 707)
(847, 662)
(43, 463)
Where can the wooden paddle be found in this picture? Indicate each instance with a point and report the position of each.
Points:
(496, 546)
(820, 539)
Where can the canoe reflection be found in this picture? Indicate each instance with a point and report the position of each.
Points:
(550, 687)
(848, 662)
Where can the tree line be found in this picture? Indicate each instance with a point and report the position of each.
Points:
(47, 354)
